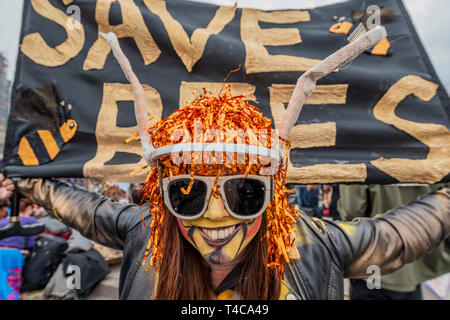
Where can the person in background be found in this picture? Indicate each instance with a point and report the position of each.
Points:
(29, 209)
(373, 201)
(4, 208)
(26, 213)
(134, 194)
(112, 191)
(11, 257)
(329, 209)
(307, 197)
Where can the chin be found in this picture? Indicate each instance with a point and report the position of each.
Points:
(221, 244)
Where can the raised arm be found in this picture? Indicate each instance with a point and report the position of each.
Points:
(93, 215)
(401, 236)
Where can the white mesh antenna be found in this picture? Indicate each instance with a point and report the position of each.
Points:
(139, 97)
(356, 33)
(151, 154)
(307, 82)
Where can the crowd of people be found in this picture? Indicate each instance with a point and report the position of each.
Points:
(31, 263)
(348, 202)
(317, 200)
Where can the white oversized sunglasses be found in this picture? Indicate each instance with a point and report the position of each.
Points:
(244, 197)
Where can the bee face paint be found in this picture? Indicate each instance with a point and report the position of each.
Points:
(218, 236)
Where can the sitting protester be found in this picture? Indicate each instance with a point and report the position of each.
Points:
(11, 257)
(26, 210)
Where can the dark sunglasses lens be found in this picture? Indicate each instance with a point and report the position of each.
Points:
(187, 204)
(245, 196)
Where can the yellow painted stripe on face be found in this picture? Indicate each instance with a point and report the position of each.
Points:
(49, 143)
(27, 154)
(207, 223)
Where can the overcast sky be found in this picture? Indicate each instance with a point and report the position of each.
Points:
(431, 18)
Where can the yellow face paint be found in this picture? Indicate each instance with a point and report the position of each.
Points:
(218, 236)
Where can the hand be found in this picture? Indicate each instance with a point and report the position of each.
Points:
(6, 187)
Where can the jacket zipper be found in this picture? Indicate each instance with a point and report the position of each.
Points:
(300, 286)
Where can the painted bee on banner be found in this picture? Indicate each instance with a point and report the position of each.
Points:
(56, 128)
(358, 24)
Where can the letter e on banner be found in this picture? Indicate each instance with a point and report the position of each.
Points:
(315, 135)
(255, 39)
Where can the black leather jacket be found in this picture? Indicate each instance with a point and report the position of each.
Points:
(329, 251)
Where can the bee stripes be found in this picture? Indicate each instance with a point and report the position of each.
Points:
(43, 146)
(26, 153)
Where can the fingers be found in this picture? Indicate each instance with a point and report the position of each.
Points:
(4, 194)
(7, 187)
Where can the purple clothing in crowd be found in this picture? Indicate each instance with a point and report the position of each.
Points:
(18, 242)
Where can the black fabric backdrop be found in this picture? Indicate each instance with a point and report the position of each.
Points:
(360, 137)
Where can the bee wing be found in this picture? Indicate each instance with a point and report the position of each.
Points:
(37, 106)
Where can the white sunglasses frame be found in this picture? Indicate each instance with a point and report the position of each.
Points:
(210, 181)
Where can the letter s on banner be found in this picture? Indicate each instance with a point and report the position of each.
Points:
(36, 48)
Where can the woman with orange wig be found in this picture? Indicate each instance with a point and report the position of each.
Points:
(215, 222)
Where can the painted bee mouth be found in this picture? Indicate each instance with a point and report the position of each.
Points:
(219, 235)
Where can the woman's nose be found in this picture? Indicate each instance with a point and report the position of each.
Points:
(216, 208)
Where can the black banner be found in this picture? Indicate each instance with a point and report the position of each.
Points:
(384, 118)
